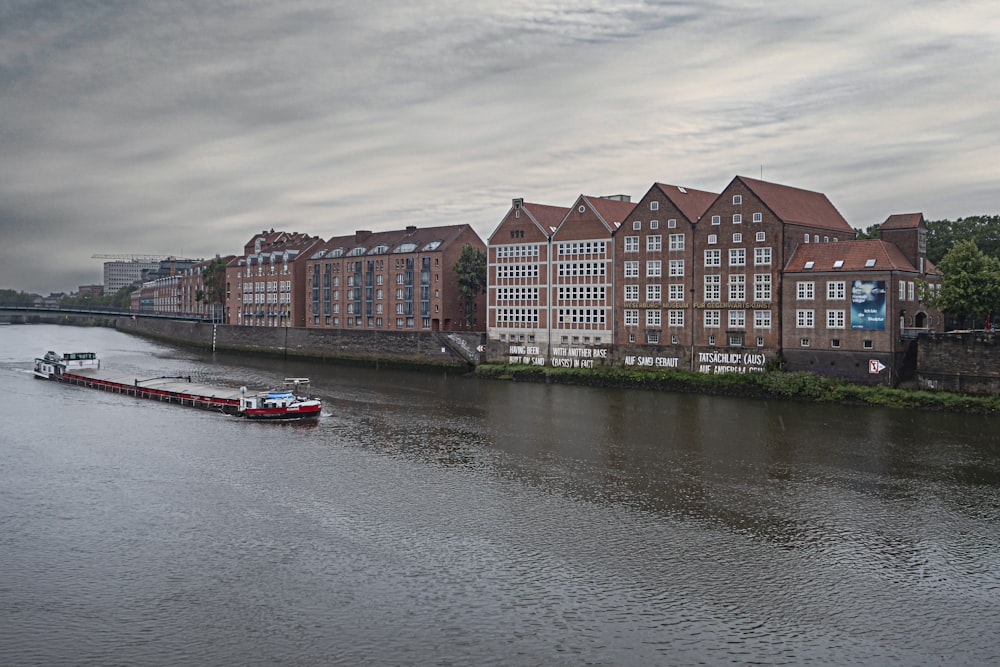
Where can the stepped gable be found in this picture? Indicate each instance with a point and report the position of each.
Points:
(692, 203)
(855, 255)
(798, 206)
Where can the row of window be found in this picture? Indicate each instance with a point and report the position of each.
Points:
(737, 287)
(269, 286)
(379, 294)
(738, 257)
(654, 268)
(654, 224)
(654, 243)
(570, 269)
(373, 322)
(582, 248)
(712, 318)
(517, 271)
(806, 319)
(522, 250)
(836, 290)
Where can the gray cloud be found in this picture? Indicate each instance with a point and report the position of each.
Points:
(159, 127)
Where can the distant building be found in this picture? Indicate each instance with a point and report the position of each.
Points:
(90, 290)
(119, 274)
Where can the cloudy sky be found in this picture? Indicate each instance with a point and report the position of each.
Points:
(170, 127)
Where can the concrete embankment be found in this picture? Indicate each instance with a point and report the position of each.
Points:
(385, 348)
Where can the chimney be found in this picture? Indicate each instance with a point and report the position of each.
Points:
(624, 198)
(410, 229)
(360, 236)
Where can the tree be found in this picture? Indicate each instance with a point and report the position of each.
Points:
(870, 232)
(970, 289)
(213, 277)
(943, 234)
(470, 270)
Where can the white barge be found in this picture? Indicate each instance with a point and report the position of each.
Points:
(84, 369)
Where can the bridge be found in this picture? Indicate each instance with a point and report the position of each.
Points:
(96, 310)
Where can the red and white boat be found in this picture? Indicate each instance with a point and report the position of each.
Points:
(285, 403)
(84, 369)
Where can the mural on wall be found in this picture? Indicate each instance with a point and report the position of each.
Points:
(868, 305)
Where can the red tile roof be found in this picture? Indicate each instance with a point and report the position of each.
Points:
(794, 205)
(903, 221)
(612, 211)
(547, 216)
(855, 256)
(692, 203)
(418, 235)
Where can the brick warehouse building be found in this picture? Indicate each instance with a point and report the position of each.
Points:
(518, 257)
(854, 310)
(551, 280)
(700, 282)
(654, 272)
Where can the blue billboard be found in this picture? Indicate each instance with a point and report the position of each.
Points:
(868, 305)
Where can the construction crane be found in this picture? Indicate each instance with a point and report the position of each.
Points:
(127, 257)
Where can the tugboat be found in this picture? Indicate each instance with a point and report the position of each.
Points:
(280, 404)
(84, 369)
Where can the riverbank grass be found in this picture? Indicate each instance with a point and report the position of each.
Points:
(774, 384)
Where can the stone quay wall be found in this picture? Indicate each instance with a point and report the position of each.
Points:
(967, 362)
(402, 348)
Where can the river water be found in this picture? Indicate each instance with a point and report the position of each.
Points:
(434, 519)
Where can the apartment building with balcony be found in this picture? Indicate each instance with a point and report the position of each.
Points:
(266, 283)
(400, 280)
